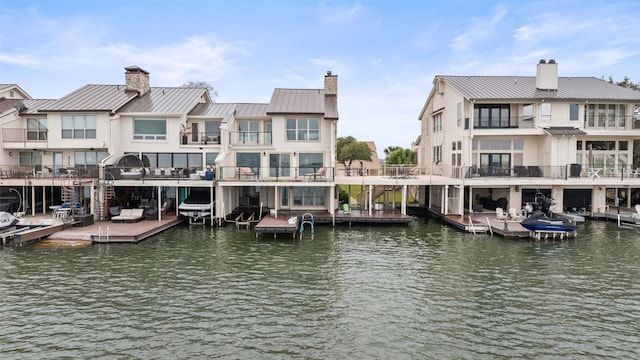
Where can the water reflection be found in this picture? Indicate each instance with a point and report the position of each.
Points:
(424, 291)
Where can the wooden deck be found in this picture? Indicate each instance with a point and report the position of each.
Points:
(98, 232)
(271, 224)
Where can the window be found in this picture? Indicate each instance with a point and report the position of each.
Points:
(177, 160)
(437, 154)
(78, 127)
(437, 122)
(37, 129)
(29, 158)
(308, 195)
(248, 132)
(309, 163)
(251, 160)
(545, 112)
(574, 110)
(210, 158)
(459, 113)
(149, 129)
(212, 132)
(279, 165)
(303, 129)
(527, 112)
(496, 164)
(606, 116)
(89, 157)
(492, 116)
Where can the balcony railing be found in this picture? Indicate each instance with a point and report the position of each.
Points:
(199, 138)
(48, 171)
(250, 138)
(513, 122)
(24, 135)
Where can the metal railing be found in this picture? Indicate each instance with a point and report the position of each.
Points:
(199, 138)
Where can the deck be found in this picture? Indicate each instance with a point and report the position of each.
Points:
(271, 224)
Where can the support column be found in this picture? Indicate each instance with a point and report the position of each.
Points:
(403, 204)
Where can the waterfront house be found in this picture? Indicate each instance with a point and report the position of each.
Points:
(78, 149)
(502, 140)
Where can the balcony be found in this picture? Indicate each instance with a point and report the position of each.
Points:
(511, 122)
(24, 139)
(266, 173)
(249, 138)
(199, 138)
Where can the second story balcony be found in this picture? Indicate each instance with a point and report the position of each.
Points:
(13, 138)
(250, 138)
(199, 138)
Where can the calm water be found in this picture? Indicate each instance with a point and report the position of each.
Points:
(416, 292)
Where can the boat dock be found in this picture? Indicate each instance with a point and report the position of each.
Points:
(272, 224)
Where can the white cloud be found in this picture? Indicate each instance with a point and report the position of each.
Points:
(341, 13)
(480, 28)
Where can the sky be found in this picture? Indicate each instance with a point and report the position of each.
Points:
(386, 53)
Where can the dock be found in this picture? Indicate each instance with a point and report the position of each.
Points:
(98, 232)
(271, 224)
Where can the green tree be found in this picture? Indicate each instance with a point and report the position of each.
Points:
(400, 156)
(389, 149)
(350, 149)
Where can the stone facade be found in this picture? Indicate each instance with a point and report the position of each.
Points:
(136, 79)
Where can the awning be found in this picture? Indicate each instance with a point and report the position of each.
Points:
(564, 130)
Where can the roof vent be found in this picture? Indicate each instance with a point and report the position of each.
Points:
(542, 61)
(551, 61)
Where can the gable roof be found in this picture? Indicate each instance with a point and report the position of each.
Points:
(7, 87)
(296, 101)
(524, 88)
(93, 98)
(166, 100)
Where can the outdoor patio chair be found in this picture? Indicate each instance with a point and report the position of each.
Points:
(500, 214)
(514, 215)
(346, 209)
(636, 215)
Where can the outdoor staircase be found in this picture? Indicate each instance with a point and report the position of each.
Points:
(108, 193)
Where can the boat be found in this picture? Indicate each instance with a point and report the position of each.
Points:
(539, 221)
(197, 206)
(7, 220)
(10, 202)
(542, 219)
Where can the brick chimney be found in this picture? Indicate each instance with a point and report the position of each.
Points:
(547, 75)
(330, 84)
(137, 80)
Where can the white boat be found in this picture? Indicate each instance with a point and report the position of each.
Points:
(7, 220)
(197, 206)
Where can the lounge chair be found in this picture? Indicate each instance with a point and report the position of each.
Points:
(535, 171)
(514, 215)
(346, 209)
(245, 172)
(319, 174)
(520, 171)
(129, 215)
(636, 215)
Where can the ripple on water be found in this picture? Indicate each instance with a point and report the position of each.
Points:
(423, 291)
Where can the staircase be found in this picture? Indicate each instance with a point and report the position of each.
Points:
(106, 188)
(378, 191)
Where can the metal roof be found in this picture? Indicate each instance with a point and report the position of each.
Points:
(166, 100)
(297, 101)
(524, 88)
(34, 106)
(220, 110)
(564, 130)
(93, 98)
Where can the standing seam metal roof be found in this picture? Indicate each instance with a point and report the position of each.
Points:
(524, 88)
(297, 101)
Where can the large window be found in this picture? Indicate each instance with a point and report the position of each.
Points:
(212, 131)
(173, 160)
(78, 127)
(251, 160)
(279, 165)
(303, 129)
(492, 116)
(309, 163)
(37, 129)
(89, 157)
(249, 132)
(150, 129)
(496, 164)
(606, 116)
(308, 195)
